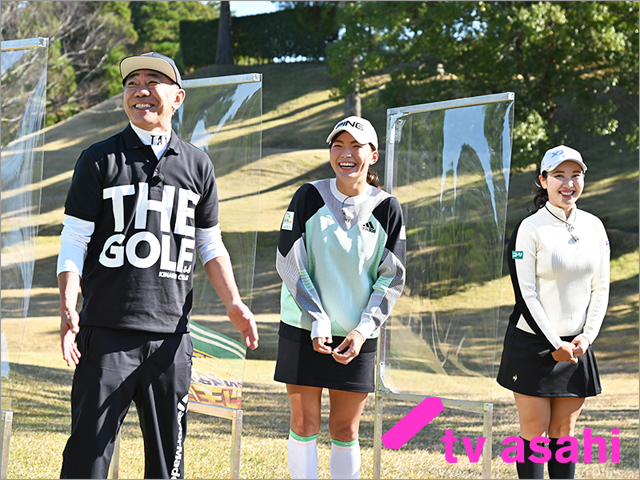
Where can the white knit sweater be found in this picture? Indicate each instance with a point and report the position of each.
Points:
(564, 283)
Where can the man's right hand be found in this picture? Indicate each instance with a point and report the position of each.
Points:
(242, 318)
(69, 284)
(69, 327)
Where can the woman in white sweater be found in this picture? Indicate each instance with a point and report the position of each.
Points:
(559, 266)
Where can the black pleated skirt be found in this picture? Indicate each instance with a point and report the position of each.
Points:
(299, 364)
(527, 367)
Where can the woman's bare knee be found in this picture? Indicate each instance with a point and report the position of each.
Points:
(305, 427)
(305, 405)
(344, 433)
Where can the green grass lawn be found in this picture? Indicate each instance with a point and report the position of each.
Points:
(297, 114)
(41, 427)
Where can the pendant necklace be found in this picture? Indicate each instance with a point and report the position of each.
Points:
(567, 224)
(348, 216)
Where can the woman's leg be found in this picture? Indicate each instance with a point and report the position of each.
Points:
(344, 424)
(564, 414)
(302, 452)
(306, 403)
(534, 414)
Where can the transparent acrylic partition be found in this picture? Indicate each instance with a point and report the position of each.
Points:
(448, 164)
(223, 117)
(23, 80)
(24, 85)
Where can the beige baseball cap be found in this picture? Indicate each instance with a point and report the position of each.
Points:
(150, 61)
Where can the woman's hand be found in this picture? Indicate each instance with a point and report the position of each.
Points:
(320, 344)
(580, 344)
(349, 348)
(565, 353)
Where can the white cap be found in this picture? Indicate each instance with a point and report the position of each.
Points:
(559, 154)
(359, 128)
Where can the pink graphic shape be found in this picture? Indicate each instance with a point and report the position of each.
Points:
(412, 423)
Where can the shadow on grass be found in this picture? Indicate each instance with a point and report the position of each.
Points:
(40, 398)
(42, 407)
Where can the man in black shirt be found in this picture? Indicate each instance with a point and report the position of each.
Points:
(139, 205)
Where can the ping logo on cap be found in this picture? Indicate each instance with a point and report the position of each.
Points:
(348, 123)
(360, 128)
(517, 254)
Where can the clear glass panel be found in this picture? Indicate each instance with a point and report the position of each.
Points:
(218, 369)
(450, 172)
(24, 82)
(225, 120)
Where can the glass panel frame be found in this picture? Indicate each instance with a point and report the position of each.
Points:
(448, 163)
(454, 173)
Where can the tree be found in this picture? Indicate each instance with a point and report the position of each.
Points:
(553, 55)
(158, 24)
(224, 50)
(352, 100)
(353, 54)
(85, 38)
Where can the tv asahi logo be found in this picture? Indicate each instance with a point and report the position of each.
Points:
(569, 451)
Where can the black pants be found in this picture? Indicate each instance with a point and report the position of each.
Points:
(116, 368)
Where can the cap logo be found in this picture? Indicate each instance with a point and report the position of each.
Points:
(357, 125)
(555, 154)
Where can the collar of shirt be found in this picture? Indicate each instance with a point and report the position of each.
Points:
(346, 200)
(559, 212)
(159, 141)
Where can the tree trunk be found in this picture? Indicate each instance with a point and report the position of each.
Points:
(352, 104)
(224, 51)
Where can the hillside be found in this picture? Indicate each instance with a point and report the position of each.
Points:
(297, 112)
(297, 116)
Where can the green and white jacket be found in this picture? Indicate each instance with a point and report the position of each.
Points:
(342, 260)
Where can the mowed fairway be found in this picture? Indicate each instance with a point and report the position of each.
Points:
(297, 115)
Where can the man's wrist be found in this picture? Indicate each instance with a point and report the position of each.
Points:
(66, 310)
(234, 305)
